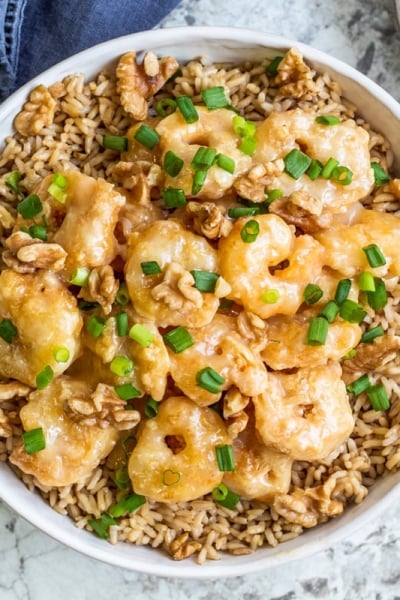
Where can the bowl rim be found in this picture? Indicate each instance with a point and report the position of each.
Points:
(16, 495)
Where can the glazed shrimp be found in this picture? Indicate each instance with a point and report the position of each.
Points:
(181, 437)
(344, 243)
(213, 129)
(305, 414)
(219, 346)
(45, 317)
(346, 142)
(170, 298)
(72, 449)
(247, 267)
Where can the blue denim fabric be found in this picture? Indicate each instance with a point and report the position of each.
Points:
(36, 34)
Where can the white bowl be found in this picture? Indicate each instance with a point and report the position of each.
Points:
(378, 108)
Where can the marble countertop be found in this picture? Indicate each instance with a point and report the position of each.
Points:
(364, 34)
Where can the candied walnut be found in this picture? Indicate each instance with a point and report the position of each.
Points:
(234, 402)
(131, 175)
(303, 211)
(25, 254)
(308, 507)
(182, 547)
(294, 77)
(5, 425)
(13, 389)
(104, 408)
(6, 218)
(136, 83)
(236, 424)
(102, 287)
(176, 289)
(208, 219)
(253, 185)
(37, 112)
(375, 356)
(253, 328)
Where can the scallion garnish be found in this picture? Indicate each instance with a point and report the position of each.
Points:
(378, 397)
(199, 179)
(34, 440)
(296, 163)
(272, 68)
(151, 408)
(122, 479)
(375, 256)
(101, 526)
(273, 195)
(243, 211)
(204, 157)
(178, 339)
(380, 175)
(140, 334)
(8, 331)
(147, 136)
(270, 296)
(61, 354)
(13, 180)
(187, 109)
(115, 142)
(210, 380)
(314, 170)
(225, 459)
(121, 365)
(95, 325)
(225, 497)
(38, 231)
(57, 187)
(30, 206)
(359, 385)
(366, 282)
(327, 120)
(172, 164)
(215, 97)
(122, 322)
(250, 231)
(122, 296)
(225, 162)
(170, 477)
(327, 169)
(352, 311)
(378, 299)
(86, 305)
(248, 145)
(342, 175)
(317, 331)
(204, 281)
(165, 107)
(242, 127)
(330, 311)
(44, 377)
(127, 391)
(342, 290)
(174, 197)
(80, 276)
(312, 293)
(369, 336)
(150, 267)
(127, 505)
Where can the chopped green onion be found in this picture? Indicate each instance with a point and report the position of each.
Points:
(121, 365)
(352, 311)
(359, 385)
(13, 180)
(327, 120)
(204, 281)
(122, 479)
(147, 136)
(44, 377)
(272, 68)
(380, 175)
(115, 142)
(226, 163)
(327, 169)
(95, 325)
(165, 107)
(140, 334)
(342, 290)
(122, 322)
(199, 179)
(61, 354)
(86, 306)
(378, 299)
(187, 109)
(34, 440)
(330, 311)
(350, 354)
(366, 282)
(80, 276)
(204, 157)
(101, 526)
(127, 505)
(225, 305)
(174, 197)
(30, 206)
(243, 211)
(342, 175)
(170, 477)
(378, 397)
(225, 459)
(122, 297)
(369, 336)
(172, 164)
(7, 331)
(225, 497)
(178, 339)
(127, 391)
(210, 380)
(296, 163)
(151, 408)
(215, 97)
(270, 296)
(374, 256)
(242, 127)
(38, 231)
(317, 331)
(150, 267)
(314, 170)
(248, 145)
(273, 195)
(250, 231)
(262, 207)
(312, 293)
(57, 188)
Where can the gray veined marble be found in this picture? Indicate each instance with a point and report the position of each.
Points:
(366, 567)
